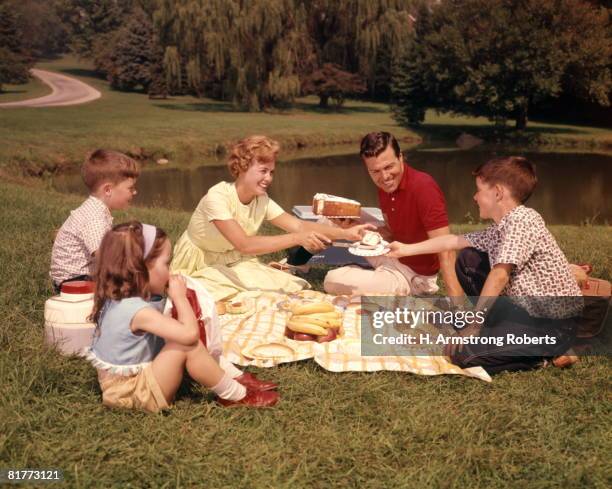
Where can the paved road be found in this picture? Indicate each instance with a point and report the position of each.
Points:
(66, 91)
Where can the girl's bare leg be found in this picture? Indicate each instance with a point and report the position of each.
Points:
(169, 367)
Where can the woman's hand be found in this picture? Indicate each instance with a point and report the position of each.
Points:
(355, 233)
(177, 288)
(397, 250)
(313, 241)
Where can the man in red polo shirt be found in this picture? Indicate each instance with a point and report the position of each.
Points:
(414, 210)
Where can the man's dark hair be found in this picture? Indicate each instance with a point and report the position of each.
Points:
(375, 143)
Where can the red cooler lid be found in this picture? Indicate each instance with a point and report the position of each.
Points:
(78, 287)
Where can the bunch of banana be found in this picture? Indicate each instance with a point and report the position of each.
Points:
(320, 320)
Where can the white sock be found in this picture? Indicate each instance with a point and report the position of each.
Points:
(229, 389)
(229, 368)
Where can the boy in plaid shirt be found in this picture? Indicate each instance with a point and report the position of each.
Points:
(111, 179)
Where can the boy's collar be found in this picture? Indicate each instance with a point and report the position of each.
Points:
(505, 217)
(99, 201)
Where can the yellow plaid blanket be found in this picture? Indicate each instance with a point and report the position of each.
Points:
(265, 323)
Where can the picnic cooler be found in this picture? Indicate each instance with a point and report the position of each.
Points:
(66, 324)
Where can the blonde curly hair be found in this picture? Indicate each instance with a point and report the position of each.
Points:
(246, 151)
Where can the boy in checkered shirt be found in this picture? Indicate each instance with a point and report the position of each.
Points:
(111, 179)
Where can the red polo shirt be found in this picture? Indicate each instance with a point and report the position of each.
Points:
(417, 206)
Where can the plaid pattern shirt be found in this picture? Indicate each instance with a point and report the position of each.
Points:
(541, 280)
(78, 238)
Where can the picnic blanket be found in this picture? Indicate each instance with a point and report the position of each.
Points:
(265, 322)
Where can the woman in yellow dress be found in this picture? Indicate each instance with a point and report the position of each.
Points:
(220, 245)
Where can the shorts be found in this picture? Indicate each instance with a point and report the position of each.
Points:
(140, 391)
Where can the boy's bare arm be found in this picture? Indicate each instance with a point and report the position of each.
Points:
(439, 244)
(447, 265)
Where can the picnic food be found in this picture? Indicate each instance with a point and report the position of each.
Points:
(236, 307)
(313, 308)
(330, 336)
(334, 206)
(321, 321)
(371, 238)
(220, 307)
(304, 337)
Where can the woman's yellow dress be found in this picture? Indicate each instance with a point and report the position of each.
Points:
(203, 253)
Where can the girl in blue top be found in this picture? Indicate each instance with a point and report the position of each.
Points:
(141, 354)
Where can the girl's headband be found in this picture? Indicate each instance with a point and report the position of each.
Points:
(149, 233)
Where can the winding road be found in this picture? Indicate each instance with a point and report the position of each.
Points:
(65, 91)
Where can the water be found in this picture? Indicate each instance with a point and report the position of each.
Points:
(571, 187)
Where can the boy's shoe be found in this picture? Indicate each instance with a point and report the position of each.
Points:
(253, 383)
(565, 360)
(253, 399)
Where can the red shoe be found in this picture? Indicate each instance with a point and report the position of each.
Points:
(253, 399)
(253, 383)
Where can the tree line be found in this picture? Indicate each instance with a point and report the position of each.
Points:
(494, 58)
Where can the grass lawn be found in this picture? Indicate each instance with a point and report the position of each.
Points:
(547, 429)
(33, 89)
(191, 130)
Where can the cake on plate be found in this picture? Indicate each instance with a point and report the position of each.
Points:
(334, 206)
(371, 238)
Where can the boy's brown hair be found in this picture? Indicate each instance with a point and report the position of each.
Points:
(515, 172)
(104, 165)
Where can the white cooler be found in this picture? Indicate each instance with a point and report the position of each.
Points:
(66, 324)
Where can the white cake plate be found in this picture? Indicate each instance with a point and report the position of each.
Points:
(381, 249)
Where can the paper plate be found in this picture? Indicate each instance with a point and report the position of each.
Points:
(269, 351)
(380, 250)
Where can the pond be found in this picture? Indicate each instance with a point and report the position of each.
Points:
(572, 187)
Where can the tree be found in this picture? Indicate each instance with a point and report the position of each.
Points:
(43, 33)
(14, 60)
(497, 58)
(132, 56)
(255, 48)
(362, 37)
(332, 82)
(89, 21)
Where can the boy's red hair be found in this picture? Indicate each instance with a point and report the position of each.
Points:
(515, 172)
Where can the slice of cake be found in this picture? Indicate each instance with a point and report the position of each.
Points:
(371, 238)
(333, 206)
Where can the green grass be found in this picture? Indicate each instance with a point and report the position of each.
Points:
(187, 130)
(546, 429)
(33, 89)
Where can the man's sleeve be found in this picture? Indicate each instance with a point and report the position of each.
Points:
(432, 207)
